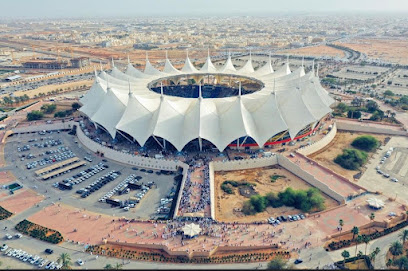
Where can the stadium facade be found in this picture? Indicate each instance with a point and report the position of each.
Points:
(225, 106)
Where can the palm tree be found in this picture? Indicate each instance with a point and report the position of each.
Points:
(366, 240)
(402, 262)
(358, 240)
(355, 231)
(388, 263)
(372, 217)
(404, 236)
(341, 223)
(396, 249)
(65, 260)
(374, 254)
(108, 266)
(345, 254)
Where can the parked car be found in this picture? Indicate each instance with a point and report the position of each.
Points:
(49, 251)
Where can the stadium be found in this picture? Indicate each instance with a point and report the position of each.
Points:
(207, 107)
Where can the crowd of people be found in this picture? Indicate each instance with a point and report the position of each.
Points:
(196, 193)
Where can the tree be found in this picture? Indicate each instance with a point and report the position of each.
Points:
(75, 106)
(345, 254)
(404, 236)
(354, 114)
(342, 107)
(374, 254)
(248, 208)
(277, 263)
(65, 260)
(365, 143)
(258, 202)
(108, 266)
(355, 231)
(351, 159)
(358, 240)
(366, 240)
(388, 93)
(388, 263)
(393, 115)
(396, 249)
(402, 263)
(371, 106)
(35, 115)
(48, 108)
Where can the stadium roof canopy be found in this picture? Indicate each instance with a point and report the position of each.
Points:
(289, 101)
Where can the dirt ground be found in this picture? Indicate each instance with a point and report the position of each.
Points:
(321, 50)
(228, 206)
(342, 141)
(390, 50)
(22, 200)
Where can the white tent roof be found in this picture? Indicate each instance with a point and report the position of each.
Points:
(188, 66)
(288, 101)
(169, 68)
(247, 68)
(208, 65)
(375, 203)
(228, 66)
(191, 229)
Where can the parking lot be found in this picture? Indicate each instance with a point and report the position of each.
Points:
(138, 192)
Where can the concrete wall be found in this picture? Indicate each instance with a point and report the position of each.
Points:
(183, 182)
(358, 127)
(295, 169)
(265, 162)
(125, 158)
(46, 127)
(318, 145)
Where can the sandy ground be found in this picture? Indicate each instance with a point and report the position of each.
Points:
(227, 203)
(21, 200)
(6, 177)
(321, 50)
(47, 88)
(342, 141)
(390, 50)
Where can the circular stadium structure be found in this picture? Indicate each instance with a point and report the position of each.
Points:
(221, 107)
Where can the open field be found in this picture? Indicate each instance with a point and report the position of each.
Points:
(228, 203)
(342, 141)
(395, 51)
(21, 200)
(321, 50)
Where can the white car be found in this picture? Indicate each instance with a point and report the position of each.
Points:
(394, 180)
(18, 235)
(80, 262)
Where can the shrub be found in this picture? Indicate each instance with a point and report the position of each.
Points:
(351, 159)
(365, 143)
(259, 202)
(35, 115)
(4, 214)
(48, 108)
(304, 200)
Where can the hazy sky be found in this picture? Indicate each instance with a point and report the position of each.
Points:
(92, 8)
